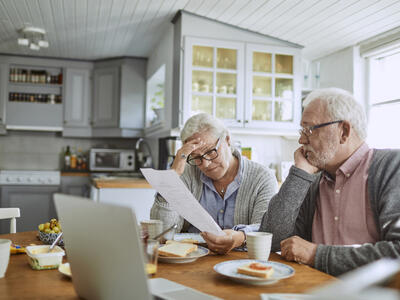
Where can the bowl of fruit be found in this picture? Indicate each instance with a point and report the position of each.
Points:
(49, 231)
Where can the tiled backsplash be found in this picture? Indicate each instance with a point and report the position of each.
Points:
(24, 150)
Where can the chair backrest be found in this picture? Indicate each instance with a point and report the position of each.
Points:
(10, 213)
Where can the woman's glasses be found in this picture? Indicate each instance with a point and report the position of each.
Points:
(209, 155)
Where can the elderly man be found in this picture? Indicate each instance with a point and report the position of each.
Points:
(339, 208)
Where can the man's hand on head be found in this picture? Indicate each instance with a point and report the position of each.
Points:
(298, 250)
(222, 244)
(301, 162)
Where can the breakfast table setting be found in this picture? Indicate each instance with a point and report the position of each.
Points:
(209, 273)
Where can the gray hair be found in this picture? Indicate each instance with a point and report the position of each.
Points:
(341, 105)
(203, 122)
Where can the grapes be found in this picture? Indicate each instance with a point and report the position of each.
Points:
(50, 227)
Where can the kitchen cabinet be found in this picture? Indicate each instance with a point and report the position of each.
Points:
(3, 96)
(246, 85)
(119, 98)
(34, 98)
(45, 95)
(106, 97)
(214, 79)
(77, 104)
(273, 87)
(75, 185)
(35, 203)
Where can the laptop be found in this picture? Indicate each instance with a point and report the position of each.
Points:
(105, 253)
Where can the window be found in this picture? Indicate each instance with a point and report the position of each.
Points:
(384, 101)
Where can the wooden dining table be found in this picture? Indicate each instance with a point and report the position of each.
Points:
(21, 282)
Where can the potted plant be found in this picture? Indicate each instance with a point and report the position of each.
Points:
(157, 102)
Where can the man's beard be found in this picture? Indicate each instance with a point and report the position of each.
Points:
(321, 158)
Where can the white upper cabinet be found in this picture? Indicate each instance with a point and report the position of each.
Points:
(246, 85)
(214, 79)
(273, 87)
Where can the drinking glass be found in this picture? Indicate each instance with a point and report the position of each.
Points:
(151, 256)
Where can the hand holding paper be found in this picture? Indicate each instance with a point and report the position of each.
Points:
(174, 191)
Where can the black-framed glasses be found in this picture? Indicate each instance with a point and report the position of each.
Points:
(209, 155)
(308, 131)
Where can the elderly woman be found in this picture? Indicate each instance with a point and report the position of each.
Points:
(234, 190)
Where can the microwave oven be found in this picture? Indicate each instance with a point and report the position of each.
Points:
(112, 160)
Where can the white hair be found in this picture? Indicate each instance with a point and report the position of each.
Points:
(204, 122)
(341, 105)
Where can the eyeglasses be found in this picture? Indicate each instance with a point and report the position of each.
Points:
(308, 131)
(209, 155)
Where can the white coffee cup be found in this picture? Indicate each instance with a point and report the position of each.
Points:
(4, 255)
(153, 227)
(259, 245)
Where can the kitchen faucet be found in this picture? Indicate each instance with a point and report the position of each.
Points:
(143, 154)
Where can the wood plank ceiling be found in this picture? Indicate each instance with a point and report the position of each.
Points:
(95, 29)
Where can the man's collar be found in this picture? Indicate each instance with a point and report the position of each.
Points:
(350, 165)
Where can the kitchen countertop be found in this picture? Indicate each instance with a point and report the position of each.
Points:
(72, 173)
(121, 182)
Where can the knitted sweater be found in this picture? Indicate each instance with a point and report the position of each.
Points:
(256, 189)
(291, 212)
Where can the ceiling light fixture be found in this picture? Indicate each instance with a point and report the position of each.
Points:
(33, 37)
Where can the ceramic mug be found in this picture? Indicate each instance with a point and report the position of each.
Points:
(259, 245)
(152, 227)
(4, 255)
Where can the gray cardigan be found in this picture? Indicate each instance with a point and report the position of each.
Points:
(291, 212)
(256, 189)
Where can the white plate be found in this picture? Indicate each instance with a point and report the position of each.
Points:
(287, 297)
(65, 269)
(229, 269)
(194, 236)
(200, 252)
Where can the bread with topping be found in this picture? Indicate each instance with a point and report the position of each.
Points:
(256, 269)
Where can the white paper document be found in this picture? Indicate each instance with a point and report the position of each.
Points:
(175, 192)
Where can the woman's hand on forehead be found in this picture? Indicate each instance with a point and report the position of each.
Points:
(200, 146)
(195, 144)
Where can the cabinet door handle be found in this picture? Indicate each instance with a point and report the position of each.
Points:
(247, 121)
(239, 121)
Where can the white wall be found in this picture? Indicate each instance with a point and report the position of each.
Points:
(162, 54)
(269, 151)
(343, 69)
(336, 70)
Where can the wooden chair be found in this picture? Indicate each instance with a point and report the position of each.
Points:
(10, 213)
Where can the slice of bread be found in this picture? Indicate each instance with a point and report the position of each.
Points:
(176, 249)
(190, 241)
(256, 269)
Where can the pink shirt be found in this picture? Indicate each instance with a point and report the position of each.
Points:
(343, 214)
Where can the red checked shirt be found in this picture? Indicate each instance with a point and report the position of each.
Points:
(343, 214)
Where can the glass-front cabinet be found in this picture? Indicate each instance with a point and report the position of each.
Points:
(246, 85)
(273, 87)
(214, 79)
